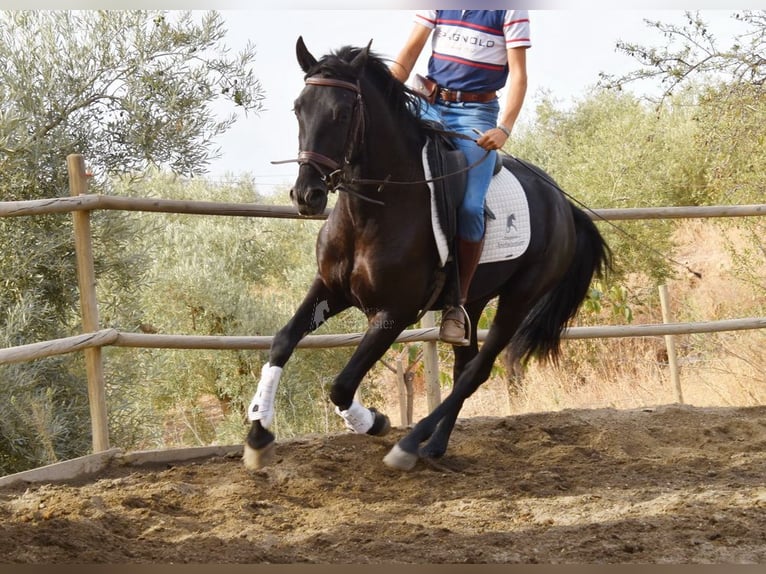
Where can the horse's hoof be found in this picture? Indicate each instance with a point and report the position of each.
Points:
(400, 459)
(381, 425)
(257, 458)
(432, 453)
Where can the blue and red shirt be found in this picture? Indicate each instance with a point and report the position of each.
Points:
(470, 47)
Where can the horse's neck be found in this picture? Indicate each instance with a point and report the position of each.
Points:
(385, 212)
(392, 154)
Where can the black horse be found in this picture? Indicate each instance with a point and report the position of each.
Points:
(376, 251)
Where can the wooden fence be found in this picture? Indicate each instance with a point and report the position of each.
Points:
(94, 338)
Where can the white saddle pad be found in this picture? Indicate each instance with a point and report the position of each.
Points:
(505, 237)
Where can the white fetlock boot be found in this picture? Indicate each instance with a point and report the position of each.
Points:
(262, 406)
(357, 418)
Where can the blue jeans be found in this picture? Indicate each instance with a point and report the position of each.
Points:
(463, 117)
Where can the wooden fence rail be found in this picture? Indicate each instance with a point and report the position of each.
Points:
(92, 341)
(32, 351)
(113, 337)
(110, 202)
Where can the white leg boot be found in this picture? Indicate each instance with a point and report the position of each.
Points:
(262, 406)
(357, 418)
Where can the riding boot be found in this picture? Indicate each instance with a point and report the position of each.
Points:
(455, 327)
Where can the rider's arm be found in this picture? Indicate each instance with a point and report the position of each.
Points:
(405, 61)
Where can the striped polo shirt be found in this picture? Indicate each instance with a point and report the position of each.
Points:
(469, 47)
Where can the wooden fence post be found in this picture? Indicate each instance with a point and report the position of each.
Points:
(86, 277)
(431, 365)
(402, 388)
(670, 344)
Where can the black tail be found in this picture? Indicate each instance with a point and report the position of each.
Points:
(540, 333)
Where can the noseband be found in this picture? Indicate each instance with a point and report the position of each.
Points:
(331, 170)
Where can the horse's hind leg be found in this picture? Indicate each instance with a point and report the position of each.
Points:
(439, 424)
(463, 355)
(437, 444)
(318, 305)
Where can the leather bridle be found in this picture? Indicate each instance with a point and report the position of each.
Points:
(331, 170)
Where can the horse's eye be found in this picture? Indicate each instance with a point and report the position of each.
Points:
(341, 115)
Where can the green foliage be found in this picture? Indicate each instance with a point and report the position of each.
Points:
(749, 263)
(615, 298)
(691, 53)
(128, 90)
(732, 137)
(718, 94)
(723, 89)
(42, 422)
(612, 151)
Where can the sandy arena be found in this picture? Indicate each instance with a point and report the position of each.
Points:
(667, 485)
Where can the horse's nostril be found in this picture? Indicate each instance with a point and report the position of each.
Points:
(314, 196)
(309, 200)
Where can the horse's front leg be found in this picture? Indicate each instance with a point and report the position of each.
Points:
(384, 328)
(318, 305)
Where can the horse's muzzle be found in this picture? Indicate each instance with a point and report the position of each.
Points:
(309, 200)
(309, 193)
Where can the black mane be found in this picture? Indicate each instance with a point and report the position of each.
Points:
(403, 102)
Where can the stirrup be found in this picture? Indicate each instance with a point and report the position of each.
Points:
(462, 340)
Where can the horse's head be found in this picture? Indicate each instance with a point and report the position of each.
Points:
(330, 125)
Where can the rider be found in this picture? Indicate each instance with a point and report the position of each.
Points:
(474, 53)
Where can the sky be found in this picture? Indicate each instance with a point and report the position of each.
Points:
(569, 49)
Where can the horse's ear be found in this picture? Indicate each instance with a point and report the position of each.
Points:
(305, 59)
(358, 63)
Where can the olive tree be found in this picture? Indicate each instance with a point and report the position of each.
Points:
(728, 81)
(690, 52)
(128, 90)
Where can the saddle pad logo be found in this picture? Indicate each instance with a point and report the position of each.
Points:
(507, 236)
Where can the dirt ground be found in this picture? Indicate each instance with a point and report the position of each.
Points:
(666, 485)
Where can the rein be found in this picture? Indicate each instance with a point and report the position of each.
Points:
(335, 178)
(382, 182)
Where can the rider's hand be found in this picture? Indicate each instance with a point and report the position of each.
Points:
(492, 139)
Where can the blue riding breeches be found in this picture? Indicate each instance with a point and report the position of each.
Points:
(464, 117)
